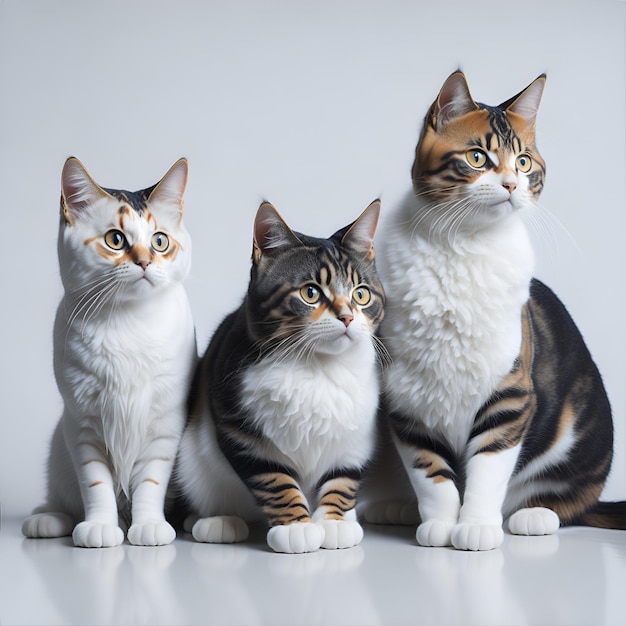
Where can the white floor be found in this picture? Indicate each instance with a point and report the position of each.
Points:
(575, 577)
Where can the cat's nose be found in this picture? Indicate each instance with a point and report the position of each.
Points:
(143, 263)
(346, 318)
(510, 186)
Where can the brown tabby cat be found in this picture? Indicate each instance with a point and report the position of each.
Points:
(495, 405)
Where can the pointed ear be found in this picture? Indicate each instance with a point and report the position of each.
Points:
(170, 190)
(270, 231)
(526, 102)
(453, 100)
(78, 190)
(360, 234)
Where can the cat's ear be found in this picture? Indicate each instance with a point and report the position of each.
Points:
(526, 102)
(270, 231)
(453, 100)
(359, 236)
(169, 192)
(78, 190)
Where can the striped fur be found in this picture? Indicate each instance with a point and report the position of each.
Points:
(283, 404)
(124, 351)
(492, 398)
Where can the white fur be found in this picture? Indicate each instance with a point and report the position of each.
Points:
(452, 322)
(455, 289)
(124, 353)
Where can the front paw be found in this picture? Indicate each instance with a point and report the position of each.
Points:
(96, 535)
(339, 534)
(534, 521)
(220, 529)
(466, 536)
(434, 533)
(158, 533)
(296, 538)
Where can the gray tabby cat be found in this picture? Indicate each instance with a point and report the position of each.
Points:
(284, 401)
(124, 351)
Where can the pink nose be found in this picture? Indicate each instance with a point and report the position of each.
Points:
(143, 263)
(510, 187)
(346, 318)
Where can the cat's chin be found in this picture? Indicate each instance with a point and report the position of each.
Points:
(338, 345)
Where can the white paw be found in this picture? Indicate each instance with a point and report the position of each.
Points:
(97, 535)
(434, 533)
(296, 538)
(534, 521)
(220, 529)
(466, 536)
(339, 534)
(42, 525)
(158, 533)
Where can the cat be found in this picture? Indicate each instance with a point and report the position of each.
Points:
(496, 408)
(284, 401)
(124, 354)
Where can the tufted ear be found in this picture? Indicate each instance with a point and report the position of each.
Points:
(359, 236)
(169, 192)
(78, 190)
(526, 102)
(453, 100)
(270, 231)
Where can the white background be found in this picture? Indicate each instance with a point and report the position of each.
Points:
(315, 106)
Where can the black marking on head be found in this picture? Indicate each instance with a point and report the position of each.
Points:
(500, 125)
(136, 199)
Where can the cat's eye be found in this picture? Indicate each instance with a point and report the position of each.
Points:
(523, 163)
(160, 242)
(115, 239)
(362, 295)
(476, 158)
(310, 294)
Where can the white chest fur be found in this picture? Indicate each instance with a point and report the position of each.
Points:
(453, 319)
(123, 374)
(320, 413)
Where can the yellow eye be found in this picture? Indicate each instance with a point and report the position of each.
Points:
(523, 163)
(362, 295)
(476, 158)
(160, 242)
(115, 239)
(310, 294)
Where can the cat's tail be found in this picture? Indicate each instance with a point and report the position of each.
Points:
(604, 515)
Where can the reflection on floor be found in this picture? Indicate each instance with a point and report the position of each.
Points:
(575, 577)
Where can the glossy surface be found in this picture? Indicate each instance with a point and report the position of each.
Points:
(575, 577)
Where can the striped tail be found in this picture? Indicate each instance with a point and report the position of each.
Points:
(604, 515)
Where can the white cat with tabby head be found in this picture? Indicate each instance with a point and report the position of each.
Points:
(124, 350)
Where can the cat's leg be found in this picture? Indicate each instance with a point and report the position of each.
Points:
(63, 508)
(480, 519)
(100, 528)
(439, 503)
(336, 512)
(151, 476)
(280, 498)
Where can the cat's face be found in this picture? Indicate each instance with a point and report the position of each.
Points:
(117, 246)
(313, 296)
(476, 164)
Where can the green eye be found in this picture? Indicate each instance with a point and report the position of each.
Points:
(115, 239)
(523, 163)
(362, 295)
(310, 294)
(160, 242)
(476, 158)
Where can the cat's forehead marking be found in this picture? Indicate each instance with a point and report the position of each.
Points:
(136, 200)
